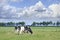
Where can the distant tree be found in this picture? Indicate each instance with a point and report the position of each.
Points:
(41, 23)
(38, 24)
(21, 23)
(10, 24)
(57, 23)
(54, 23)
(44, 23)
(51, 22)
(2, 24)
(33, 24)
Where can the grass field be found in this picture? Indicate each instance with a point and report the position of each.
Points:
(39, 33)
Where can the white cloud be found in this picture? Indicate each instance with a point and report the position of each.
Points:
(32, 11)
(6, 7)
(36, 11)
(16, 0)
(56, 10)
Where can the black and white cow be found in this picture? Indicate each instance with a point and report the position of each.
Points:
(21, 29)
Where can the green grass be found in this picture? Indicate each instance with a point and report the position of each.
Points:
(39, 33)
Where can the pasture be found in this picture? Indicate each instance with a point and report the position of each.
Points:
(39, 33)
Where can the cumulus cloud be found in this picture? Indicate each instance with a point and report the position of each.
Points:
(7, 11)
(36, 11)
(56, 10)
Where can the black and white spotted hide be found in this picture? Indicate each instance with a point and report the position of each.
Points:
(28, 29)
(25, 29)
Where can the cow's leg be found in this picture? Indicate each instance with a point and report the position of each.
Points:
(15, 29)
(22, 30)
(18, 32)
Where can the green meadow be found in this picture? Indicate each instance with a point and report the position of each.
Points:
(39, 33)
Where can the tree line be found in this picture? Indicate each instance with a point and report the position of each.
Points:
(44, 23)
(11, 23)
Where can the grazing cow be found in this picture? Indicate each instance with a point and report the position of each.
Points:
(25, 29)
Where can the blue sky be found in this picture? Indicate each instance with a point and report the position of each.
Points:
(28, 3)
(29, 10)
